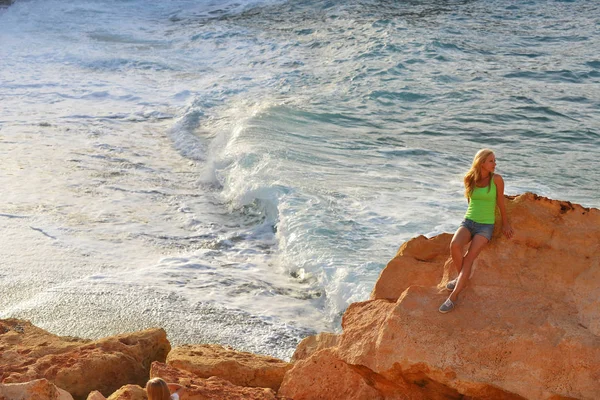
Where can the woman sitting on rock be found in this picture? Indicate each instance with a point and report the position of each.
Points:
(484, 190)
(158, 389)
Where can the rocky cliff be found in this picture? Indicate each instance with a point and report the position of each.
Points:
(527, 327)
(78, 366)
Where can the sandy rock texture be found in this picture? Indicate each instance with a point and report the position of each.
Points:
(312, 344)
(39, 389)
(198, 388)
(78, 366)
(127, 392)
(527, 326)
(239, 368)
(95, 395)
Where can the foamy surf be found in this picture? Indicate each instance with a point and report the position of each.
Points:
(240, 177)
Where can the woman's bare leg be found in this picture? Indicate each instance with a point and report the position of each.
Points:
(459, 240)
(477, 244)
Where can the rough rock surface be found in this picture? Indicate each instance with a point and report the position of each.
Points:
(325, 376)
(78, 366)
(95, 395)
(527, 326)
(312, 344)
(39, 389)
(197, 388)
(127, 392)
(239, 368)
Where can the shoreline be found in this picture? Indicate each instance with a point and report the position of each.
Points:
(526, 328)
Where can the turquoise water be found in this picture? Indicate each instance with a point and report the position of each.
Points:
(289, 148)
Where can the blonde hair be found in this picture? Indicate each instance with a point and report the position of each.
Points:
(474, 174)
(158, 389)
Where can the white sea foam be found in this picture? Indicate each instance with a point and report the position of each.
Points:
(239, 177)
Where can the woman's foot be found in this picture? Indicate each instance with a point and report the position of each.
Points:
(451, 285)
(447, 306)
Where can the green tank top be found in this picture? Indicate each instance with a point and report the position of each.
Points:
(482, 205)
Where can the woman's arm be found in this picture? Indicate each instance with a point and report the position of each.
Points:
(506, 228)
(176, 390)
(173, 387)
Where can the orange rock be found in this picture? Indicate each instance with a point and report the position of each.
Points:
(95, 395)
(324, 376)
(527, 326)
(240, 368)
(417, 263)
(377, 347)
(129, 392)
(312, 344)
(40, 389)
(197, 388)
(76, 365)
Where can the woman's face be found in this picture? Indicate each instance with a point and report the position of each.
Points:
(489, 164)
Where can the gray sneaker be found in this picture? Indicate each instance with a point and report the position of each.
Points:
(451, 285)
(447, 306)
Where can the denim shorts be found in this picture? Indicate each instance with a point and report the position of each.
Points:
(485, 230)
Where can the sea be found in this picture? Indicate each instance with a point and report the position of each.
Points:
(240, 171)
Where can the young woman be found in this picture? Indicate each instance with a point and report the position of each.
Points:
(484, 190)
(158, 389)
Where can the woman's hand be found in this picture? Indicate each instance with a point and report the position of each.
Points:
(508, 230)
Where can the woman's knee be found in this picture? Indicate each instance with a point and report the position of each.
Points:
(455, 245)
